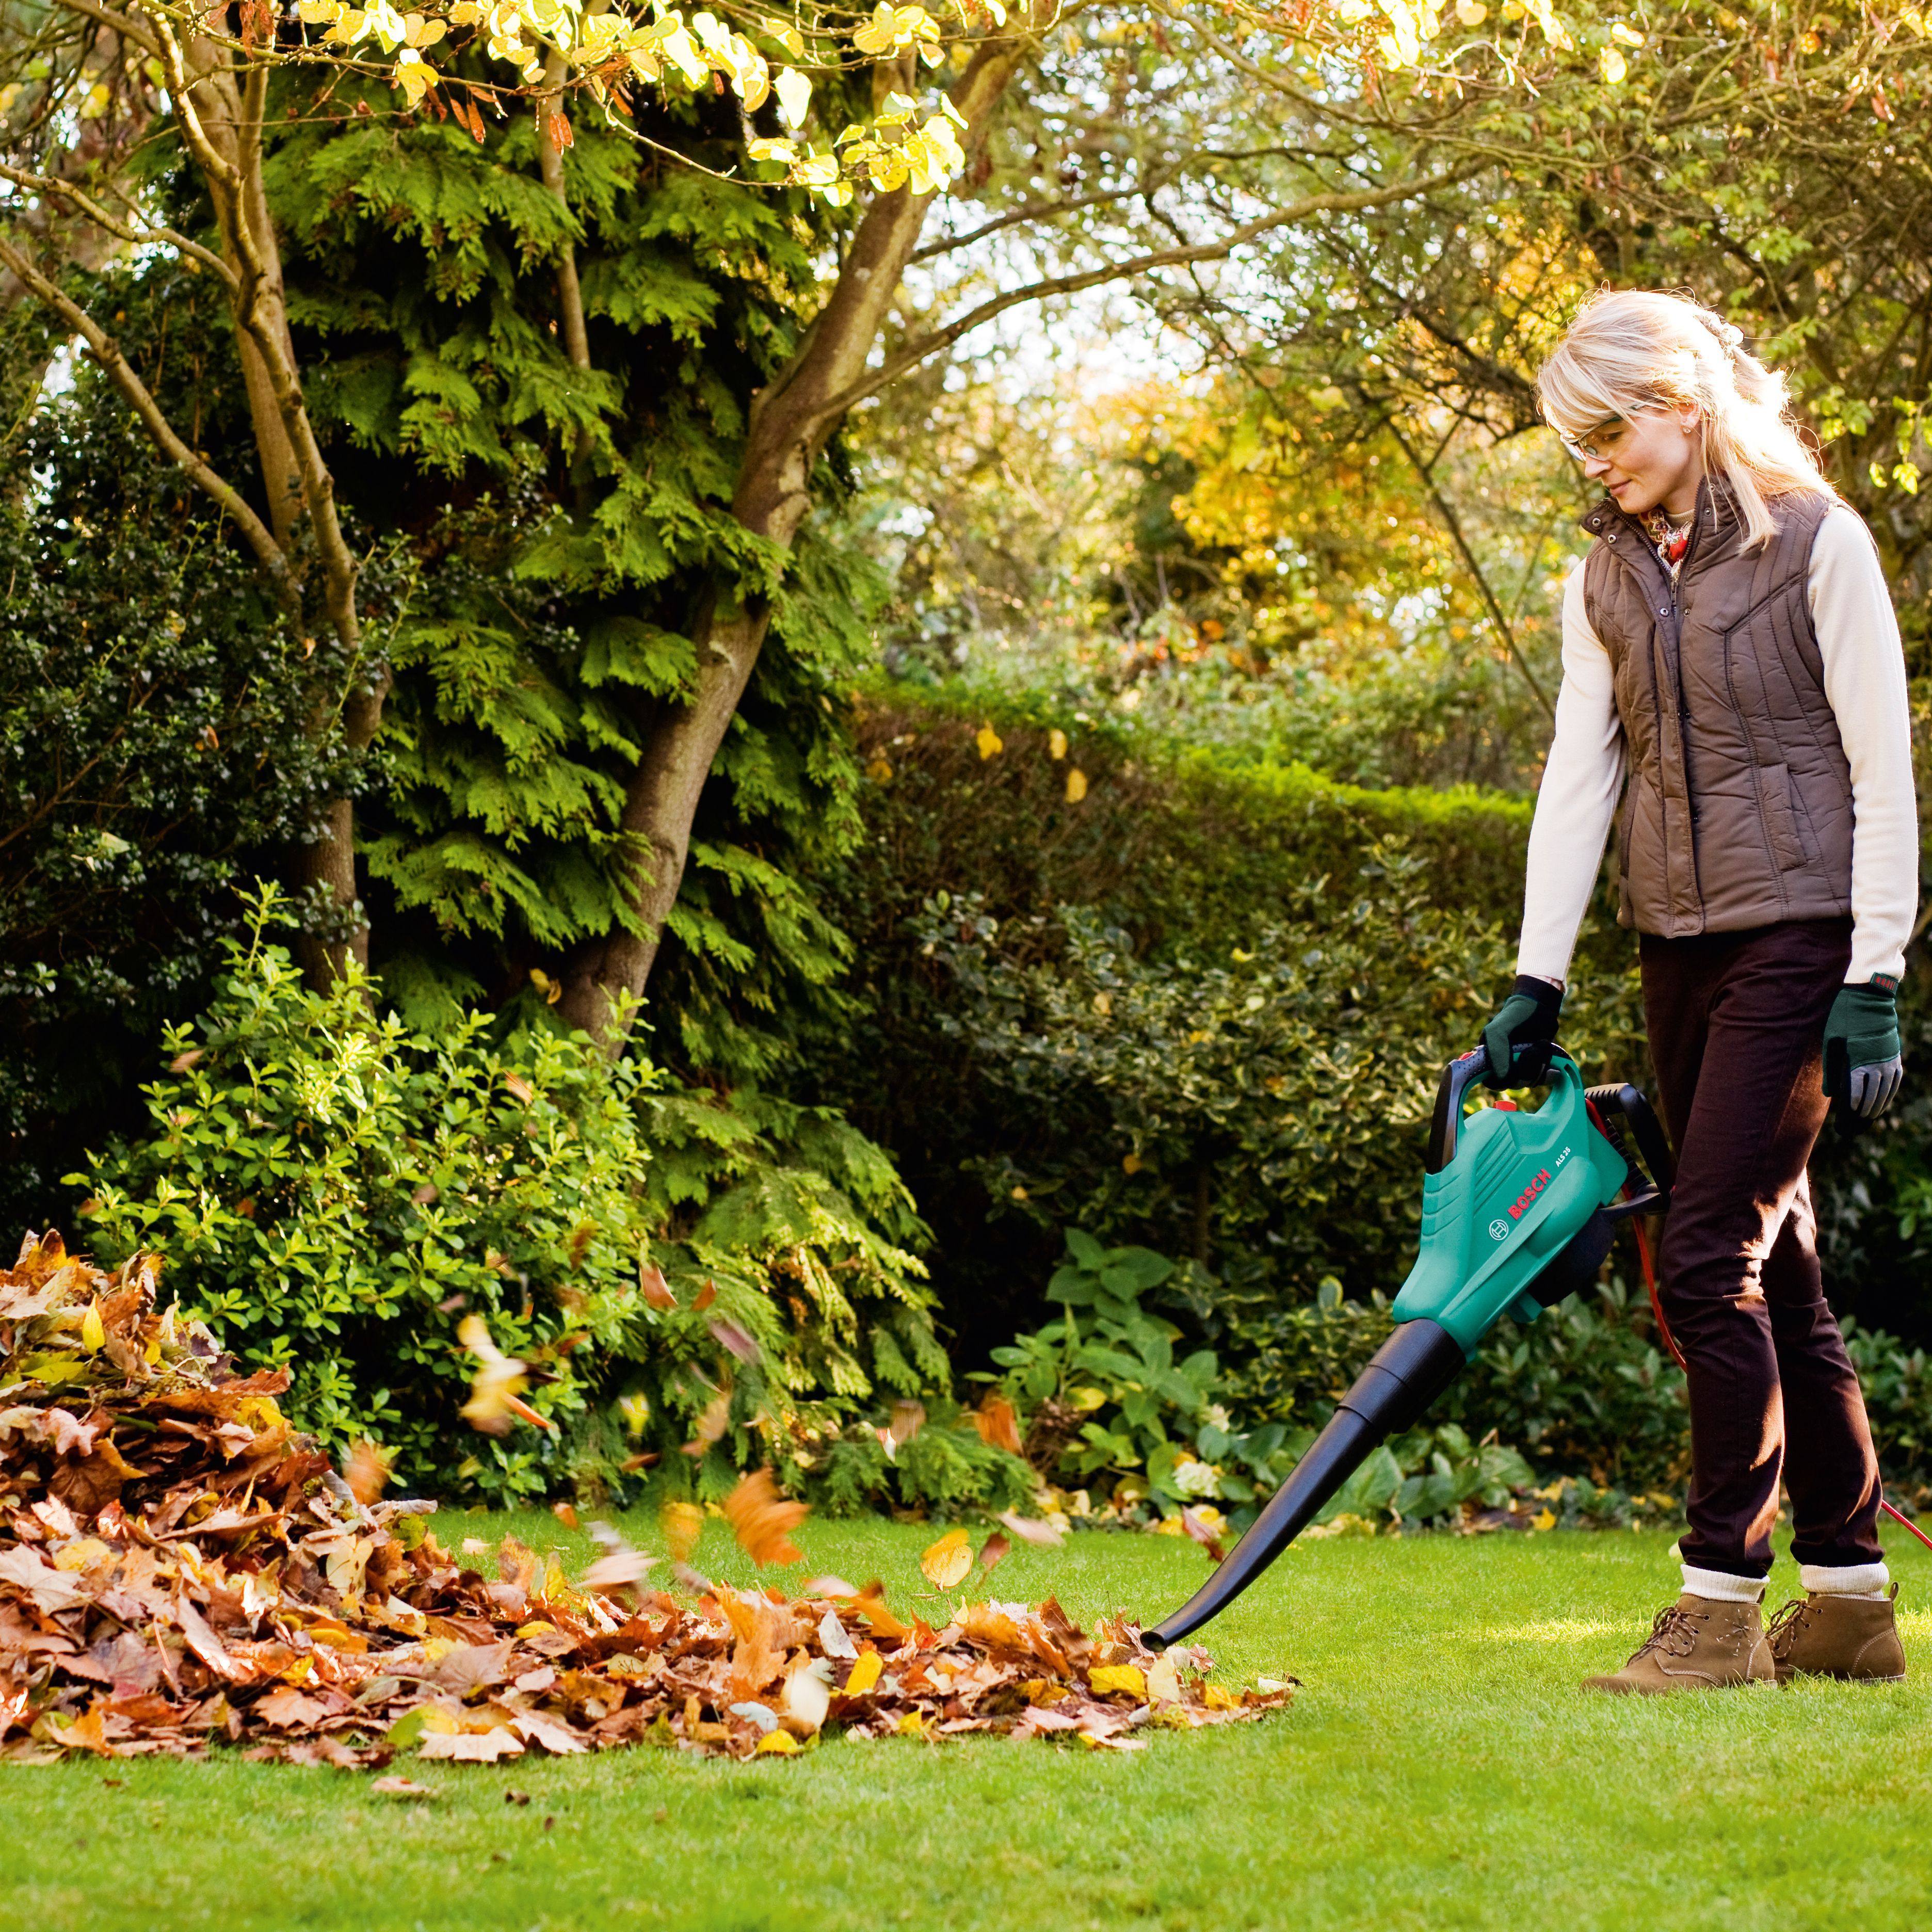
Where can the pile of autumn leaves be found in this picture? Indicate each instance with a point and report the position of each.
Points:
(179, 1567)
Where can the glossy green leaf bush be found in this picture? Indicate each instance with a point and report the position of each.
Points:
(335, 1192)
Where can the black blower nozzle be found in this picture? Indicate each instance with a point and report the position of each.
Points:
(1403, 1377)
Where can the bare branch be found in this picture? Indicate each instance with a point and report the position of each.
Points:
(106, 351)
(1041, 210)
(128, 26)
(123, 231)
(917, 350)
(1446, 510)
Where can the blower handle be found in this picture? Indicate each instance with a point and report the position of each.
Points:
(1458, 1077)
(1622, 1115)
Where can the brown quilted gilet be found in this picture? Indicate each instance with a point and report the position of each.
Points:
(1737, 811)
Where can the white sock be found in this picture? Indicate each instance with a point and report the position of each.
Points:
(1721, 1587)
(1845, 1580)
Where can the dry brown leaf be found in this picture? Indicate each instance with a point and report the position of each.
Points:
(1199, 1532)
(472, 1746)
(762, 1521)
(706, 1295)
(619, 1566)
(288, 1709)
(947, 1561)
(407, 1788)
(994, 1551)
(711, 1425)
(998, 1425)
(994, 1625)
(366, 1471)
(734, 1338)
(1032, 1529)
(870, 1604)
(652, 1284)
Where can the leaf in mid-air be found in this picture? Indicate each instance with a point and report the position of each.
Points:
(948, 1560)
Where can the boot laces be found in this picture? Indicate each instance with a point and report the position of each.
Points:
(1788, 1626)
(1675, 1633)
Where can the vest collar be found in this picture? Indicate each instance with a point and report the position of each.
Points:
(1715, 515)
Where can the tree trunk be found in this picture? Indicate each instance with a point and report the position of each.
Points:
(790, 425)
(223, 132)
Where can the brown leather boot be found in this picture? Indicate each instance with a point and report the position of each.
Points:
(1856, 1638)
(1700, 1643)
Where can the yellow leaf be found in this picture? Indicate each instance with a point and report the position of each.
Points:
(1612, 66)
(93, 1334)
(1215, 1699)
(1132, 1164)
(1547, 1519)
(880, 770)
(948, 1560)
(1163, 1682)
(1056, 743)
(1105, 1679)
(681, 1523)
(1472, 13)
(865, 1674)
(776, 1743)
(794, 93)
(990, 742)
(1076, 785)
(879, 33)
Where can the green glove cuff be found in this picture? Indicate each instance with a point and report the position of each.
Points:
(1861, 1030)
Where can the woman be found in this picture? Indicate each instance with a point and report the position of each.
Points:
(1730, 648)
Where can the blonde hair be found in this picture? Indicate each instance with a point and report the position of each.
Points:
(1637, 351)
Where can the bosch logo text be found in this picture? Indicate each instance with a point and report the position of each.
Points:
(1523, 1202)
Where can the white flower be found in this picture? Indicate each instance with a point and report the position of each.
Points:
(1216, 1416)
(1193, 1478)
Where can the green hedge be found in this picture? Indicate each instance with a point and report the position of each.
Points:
(1181, 844)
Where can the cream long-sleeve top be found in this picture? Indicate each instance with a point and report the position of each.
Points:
(1864, 681)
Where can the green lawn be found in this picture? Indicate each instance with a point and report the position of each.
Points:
(1440, 1768)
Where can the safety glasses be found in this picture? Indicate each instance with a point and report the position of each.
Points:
(1594, 442)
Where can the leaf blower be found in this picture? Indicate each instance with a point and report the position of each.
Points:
(1519, 1209)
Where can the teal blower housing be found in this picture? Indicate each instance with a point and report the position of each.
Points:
(1519, 1209)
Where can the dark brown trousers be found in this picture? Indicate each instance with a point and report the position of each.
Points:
(1736, 1020)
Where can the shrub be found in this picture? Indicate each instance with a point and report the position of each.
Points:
(333, 1192)
(1104, 1395)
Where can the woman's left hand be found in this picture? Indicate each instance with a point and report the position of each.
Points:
(1864, 1060)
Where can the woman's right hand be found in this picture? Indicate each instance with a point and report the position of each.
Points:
(1518, 1040)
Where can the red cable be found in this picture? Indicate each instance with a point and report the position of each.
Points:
(1899, 1516)
(1650, 1282)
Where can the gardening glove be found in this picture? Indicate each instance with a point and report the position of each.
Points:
(1863, 1064)
(1518, 1040)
